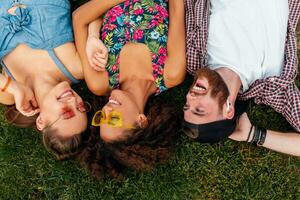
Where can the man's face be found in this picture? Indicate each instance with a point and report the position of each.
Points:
(206, 97)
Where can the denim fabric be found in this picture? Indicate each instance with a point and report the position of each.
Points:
(43, 24)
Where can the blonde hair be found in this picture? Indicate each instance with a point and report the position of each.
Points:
(60, 147)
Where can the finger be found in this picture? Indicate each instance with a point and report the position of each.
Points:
(32, 112)
(29, 114)
(102, 61)
(34, 102)
(36, 111)
(26, 107)
(24, 112)
(100, 55)
(99, 69)
(95, 67)
(99, 63)
(106, 55)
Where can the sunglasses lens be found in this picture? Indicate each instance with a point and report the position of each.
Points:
(115, 119)
(97, 118)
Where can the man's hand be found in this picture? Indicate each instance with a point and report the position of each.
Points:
(24, 99)
(97, 53)
(242, 129)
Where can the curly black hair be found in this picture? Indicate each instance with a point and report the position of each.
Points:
(142, 150)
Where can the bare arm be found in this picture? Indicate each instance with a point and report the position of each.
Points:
(288, 143)
(94, 27)
(6, 97)
(175, 67)
(82, 17)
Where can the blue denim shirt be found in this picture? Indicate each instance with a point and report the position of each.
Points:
(43, 24)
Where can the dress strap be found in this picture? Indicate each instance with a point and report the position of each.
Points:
(7, 70)
(61, 67)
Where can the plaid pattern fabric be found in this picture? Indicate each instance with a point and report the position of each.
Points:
(279, 92)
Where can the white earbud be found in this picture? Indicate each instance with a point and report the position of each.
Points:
(228, 104)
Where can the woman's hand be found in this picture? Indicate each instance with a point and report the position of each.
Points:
(24, 99)
(97, 53)
(242, 129)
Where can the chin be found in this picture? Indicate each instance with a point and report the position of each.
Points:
(62, 86)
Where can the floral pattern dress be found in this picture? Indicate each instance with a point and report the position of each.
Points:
(140, 21)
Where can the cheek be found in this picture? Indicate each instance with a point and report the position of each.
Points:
(186, 115)
(51, 107)
(107, 134)
(81, 122)
(209, 102)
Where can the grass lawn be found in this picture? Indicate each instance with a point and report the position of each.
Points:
(230, 170)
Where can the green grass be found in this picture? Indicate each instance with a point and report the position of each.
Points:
(230, 170)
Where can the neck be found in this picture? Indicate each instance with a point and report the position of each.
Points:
(232, 81)
(41, 87)
(139, 90)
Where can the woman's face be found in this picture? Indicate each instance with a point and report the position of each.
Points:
(62, 109)
(127, 112)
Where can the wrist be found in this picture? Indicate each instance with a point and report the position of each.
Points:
(250, 134)
(94, 35)
(258, 136)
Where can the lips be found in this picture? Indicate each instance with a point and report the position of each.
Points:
(199, 88)
(114, 101)
(66, 94)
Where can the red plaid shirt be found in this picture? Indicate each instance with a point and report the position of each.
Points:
(279, 92)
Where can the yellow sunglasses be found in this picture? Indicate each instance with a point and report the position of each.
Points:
(113, 119)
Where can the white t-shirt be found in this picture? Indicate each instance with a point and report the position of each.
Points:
(248, 36)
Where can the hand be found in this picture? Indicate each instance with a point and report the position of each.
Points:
(25, 100)
(97, 53)
(242, 129)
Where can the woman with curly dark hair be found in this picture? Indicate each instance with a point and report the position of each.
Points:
(142, 54)
(141, 148)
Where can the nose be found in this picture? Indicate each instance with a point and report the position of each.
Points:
(70, 101)
(194, 101)
(107, 109)
(190, 97)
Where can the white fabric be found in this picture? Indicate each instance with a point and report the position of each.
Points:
(248, 36)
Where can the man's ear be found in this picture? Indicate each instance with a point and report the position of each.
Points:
(228, 110)
(142, 121)
(40, 124)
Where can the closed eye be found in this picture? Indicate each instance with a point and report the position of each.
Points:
(198, 113)
(114, 118)
(199, 110)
